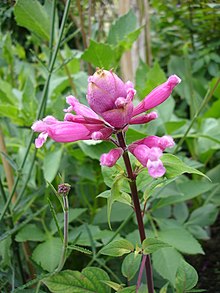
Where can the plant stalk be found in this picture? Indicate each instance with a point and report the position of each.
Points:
(65, 233)
(137, 208)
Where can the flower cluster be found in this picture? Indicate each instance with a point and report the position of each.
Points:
(111, 111)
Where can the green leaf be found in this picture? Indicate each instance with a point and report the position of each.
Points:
(151, 245)
(100, 55)
(166, 262)
(47, 254)
(90, 280)
(117, 248)
(113, 285)
(80, 249)
(181, 239)
(95, 151)
(5, 253)
(186, 277)
(164, 288)
(30, 232)
(51, 164)
(203, 216)
(130, 265)
(131, 289)
(121, 28)
(33, 16)
(117, 195)
(175, 167)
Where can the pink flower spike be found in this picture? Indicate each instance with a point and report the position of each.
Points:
(155, 168)
(141, 119)
(111, 157)
(157, 95)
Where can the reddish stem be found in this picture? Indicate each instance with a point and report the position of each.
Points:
(137, 208)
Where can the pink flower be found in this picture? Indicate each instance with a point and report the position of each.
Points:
(111, 157)
(148, 152)
(157, 95)
(111, 98)
(65, 131)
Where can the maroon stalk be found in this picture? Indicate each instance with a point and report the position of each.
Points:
(137, 208)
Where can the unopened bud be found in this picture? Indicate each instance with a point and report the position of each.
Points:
(63, 189)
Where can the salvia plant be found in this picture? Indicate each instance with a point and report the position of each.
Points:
(110, 113)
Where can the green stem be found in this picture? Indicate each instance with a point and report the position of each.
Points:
(203, 104)
(65, 233)
(41, 106)
(137, 208)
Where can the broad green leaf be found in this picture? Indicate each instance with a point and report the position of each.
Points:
(166, 262)
(90, 280)
(117, 195)
(100, 55)
(186, 277)
(5, 253)
(33, 16)
(51, 164)
(130, 265)
(181, 212)
(181, 239)
(30, 232)
(175, 167)
(151, 245)
(117, 248)
(122, 27)
(198, 232)
(95, 151)
(47, 254)
(203, 216)
(181, 192)
(119, 213)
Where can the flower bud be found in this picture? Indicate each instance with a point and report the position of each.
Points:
(111, 157)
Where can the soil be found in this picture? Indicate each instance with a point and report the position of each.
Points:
(208, 265)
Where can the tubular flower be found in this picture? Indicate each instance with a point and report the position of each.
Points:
(65, 131)
(157, 95)
(111, 157)
(111, 111)
(148, 152)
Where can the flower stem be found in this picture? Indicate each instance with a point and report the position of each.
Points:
(65, 233)
(137, 208)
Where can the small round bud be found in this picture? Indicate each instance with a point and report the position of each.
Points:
(63, 189)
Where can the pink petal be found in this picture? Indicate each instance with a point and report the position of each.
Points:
(111, 157)
(155, 168)
(157, 95)
(79, 108)
(141, 152)
(41, 140)
(120, 117)
(143, 118)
